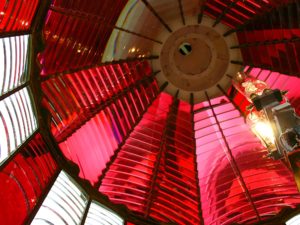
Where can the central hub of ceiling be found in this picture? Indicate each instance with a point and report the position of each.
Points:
(194, 58)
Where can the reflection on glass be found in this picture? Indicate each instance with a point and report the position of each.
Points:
(13, 61)
(17, 121)
(293, 221)
(100, 215)
(65, 203)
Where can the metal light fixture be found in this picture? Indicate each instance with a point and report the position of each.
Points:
(273, 120)
(271, 117)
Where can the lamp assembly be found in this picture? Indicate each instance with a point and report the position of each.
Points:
(273, 120)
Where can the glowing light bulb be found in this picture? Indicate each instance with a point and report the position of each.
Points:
(262, 129)
(265, 131)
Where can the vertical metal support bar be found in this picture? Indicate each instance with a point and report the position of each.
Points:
(156, 15)
(232, 160)
(36, 46)
(163, 86)
(201, 11)
(159, 158)
(195, 162)
(181, 11)
(136, 34)
(177, 94)
(114, 157)
(86, 211)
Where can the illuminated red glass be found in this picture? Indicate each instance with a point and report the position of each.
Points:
(269, 40)
(155, 172)
(17, 15)
(235, 13)
(93, 144)
(128, 180)
(238, 182)
(23, 180)
(159, 190)
(73, 98)
(176, 184)
(73, 38)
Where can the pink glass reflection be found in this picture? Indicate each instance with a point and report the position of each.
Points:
(238, 182)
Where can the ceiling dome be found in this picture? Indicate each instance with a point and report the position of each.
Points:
(123, 112)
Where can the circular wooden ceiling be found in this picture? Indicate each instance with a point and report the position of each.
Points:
(194, 58)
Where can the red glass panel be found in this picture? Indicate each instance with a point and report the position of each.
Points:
(73, 38)
(17, 15)
(176, 193)
(270, 40)
(154, 172)
(73, 98)
(93, 144)
(234, 13)
(24, 179)
(128, 179)
(238, 182)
